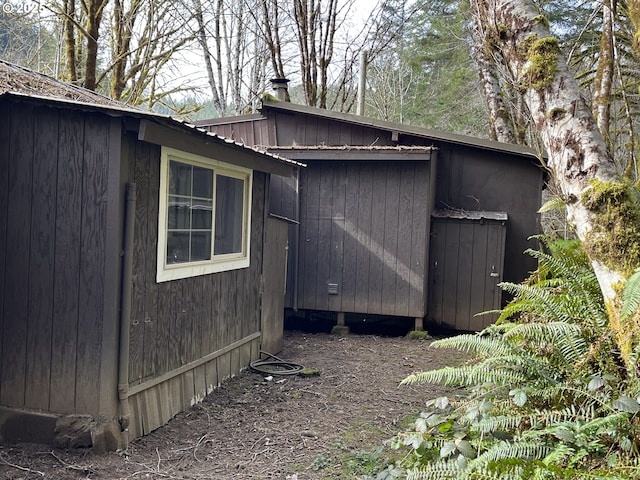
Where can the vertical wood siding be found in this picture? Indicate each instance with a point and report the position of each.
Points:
(363, 227)
(466, 266)
(55, 172)
(5, 125)
(468, 178)
(175, 324)
(178, 322)
(475, 180)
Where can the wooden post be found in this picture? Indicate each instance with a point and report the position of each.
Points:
(419, 324)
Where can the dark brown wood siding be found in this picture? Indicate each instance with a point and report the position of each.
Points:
(54, 200)
(292, 129)
(472, 179)
(467, 259)
(468, 178)
(363, 228)
(249, 130)
(178, 322)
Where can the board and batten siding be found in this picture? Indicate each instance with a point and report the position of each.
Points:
(363, 233)
(59, 272)
(177, 324)
(467, 261)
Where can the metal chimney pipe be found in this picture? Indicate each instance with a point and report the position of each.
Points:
(280, 85)
(363, 83)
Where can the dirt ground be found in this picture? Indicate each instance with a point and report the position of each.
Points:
(325, 426)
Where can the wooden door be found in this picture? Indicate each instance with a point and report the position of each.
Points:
(274, 275)
(466, 265)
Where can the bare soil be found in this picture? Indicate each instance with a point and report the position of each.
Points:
(327, 426)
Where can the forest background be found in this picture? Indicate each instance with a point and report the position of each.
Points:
(204, 59)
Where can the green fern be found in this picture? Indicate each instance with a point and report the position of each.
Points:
(546, 396)
(466, 376)
(631, 296)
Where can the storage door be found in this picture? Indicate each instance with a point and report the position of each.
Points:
(466, 265)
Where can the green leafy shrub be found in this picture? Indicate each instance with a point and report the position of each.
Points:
(547, 396)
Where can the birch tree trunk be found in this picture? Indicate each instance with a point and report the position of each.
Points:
(500, 119)
(600, 206)
(604, 74)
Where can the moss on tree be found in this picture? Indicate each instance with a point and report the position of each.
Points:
(615, 237)
(542, 55)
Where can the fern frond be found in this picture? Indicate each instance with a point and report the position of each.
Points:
(434, 471)
(554, 204)
(466, 376)
(566, 337)
(542, 299)
(477, 344)
(631, 296)
(606, 423)
(501, 423)
(506, 450)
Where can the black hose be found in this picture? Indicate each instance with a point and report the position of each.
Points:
(275, 366)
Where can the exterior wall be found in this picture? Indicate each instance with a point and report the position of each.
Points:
(186, 335)
(59, 263)
(363, 229)
(470, 179)
(296, 129)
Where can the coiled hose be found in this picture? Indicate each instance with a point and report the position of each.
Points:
(275, 365)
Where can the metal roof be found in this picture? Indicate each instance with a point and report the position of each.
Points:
(403, 129)
(354, 152)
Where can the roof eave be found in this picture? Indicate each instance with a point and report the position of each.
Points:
(405, 129)
(166, 130)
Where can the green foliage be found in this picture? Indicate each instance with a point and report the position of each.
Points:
(427, 76)
(418, 335)
(543, 59)
(631, 296)
(615, 238)
(546, 396)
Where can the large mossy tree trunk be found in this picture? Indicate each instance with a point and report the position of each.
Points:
(601, 205)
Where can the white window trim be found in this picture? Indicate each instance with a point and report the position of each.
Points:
(218, 263)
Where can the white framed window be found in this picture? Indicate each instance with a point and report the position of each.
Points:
(204, 216)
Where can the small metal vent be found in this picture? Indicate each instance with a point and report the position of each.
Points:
(333, 288)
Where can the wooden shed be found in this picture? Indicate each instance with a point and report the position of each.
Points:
(396, 220)
(134, 251)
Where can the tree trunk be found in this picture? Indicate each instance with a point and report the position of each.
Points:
(70, 41)
(599, 207)
(500, 120)
(94, 9)
(604, 73)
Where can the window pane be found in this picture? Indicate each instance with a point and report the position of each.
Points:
(180, 178)
(229, 215)
(200, 246)
(201, 211)
(177, 247)
(202, 182)
(178, 213)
